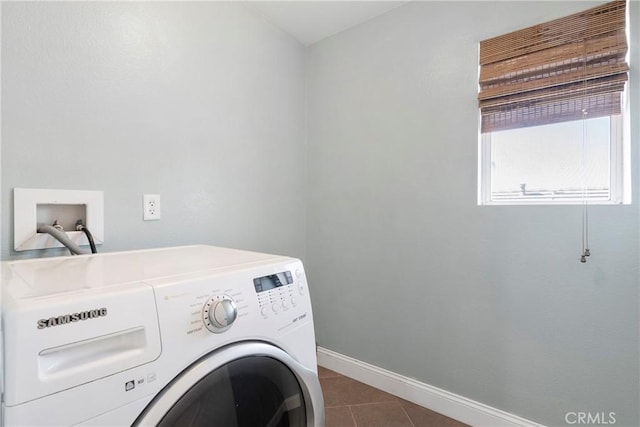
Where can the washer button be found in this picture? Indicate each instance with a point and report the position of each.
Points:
(274, 307)
(293, 301)
(264, 311)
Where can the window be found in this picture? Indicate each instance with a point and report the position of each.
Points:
(550, 163)
(552, 105)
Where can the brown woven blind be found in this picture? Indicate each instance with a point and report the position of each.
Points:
(556, 71)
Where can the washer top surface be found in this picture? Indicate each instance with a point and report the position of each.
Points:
(47, 276)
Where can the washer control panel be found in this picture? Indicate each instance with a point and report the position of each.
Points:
(278, 293)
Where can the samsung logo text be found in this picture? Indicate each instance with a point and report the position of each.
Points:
(72, 317)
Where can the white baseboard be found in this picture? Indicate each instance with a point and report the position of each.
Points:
(452, 405)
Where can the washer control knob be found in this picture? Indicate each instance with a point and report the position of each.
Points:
(219, 313)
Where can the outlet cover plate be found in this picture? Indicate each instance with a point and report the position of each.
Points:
(151, 207)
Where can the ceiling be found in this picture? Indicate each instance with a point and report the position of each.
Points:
(313, 20)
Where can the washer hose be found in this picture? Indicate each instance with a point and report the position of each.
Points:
(61, 237)
(80, 227)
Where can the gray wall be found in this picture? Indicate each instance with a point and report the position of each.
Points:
(202, 103)
(411, 275)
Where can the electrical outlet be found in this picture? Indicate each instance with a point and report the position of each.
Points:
(151, 207)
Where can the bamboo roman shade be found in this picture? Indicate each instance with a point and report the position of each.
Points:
(556, 71)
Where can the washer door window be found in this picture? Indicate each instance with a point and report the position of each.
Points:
(249, 392)
(244, 385)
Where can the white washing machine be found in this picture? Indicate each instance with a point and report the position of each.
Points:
(188, 336)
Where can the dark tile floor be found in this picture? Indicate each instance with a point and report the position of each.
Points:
(349, 403)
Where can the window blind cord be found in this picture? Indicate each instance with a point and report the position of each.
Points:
(586, 197)
(585, 205)
(585, 202)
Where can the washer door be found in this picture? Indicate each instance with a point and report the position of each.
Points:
(243, 385)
